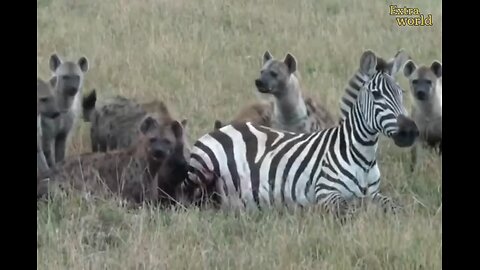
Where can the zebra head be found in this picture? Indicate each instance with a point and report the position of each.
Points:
(381, 103)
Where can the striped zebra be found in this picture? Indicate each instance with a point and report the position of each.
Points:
(391, 67)
(252, 166)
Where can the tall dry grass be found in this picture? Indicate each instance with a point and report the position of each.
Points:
(202, 57)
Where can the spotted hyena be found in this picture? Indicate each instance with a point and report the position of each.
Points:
(426, 88)
(130, 173)
(115, 120)
(46, 108)
(289, 110)
(68, 79)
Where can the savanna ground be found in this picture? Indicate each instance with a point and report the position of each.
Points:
(202, 57)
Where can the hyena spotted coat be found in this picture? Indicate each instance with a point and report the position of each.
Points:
(129, 173)
(115, 120)
(68, 79)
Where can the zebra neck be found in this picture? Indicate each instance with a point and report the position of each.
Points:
(290, 108)
(362, 138)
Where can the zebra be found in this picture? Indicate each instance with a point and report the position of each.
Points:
(251, 166)
(391, 67)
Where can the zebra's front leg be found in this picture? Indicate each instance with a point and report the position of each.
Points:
(334, 203)
(387, 204)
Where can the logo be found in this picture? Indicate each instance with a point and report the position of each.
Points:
(408, 16)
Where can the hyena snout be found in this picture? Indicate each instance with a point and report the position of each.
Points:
(261, 86)
(160, 149)
(421, 89)
(53, 114)
(70, 83)
(407, 132)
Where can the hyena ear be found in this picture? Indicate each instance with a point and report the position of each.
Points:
(55, 62)
(436, 67)
(53, 82)
(177, 129)
(148, 124)
(368, 62)
(217, 125)
(267, 56)
(409, 68)
(83, 63)
(291, 63)
(398, 61)
(88, 101)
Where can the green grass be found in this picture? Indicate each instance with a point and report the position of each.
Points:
(202, 57)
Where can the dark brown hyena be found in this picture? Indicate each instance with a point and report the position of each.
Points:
(130, 173)
(115, 121)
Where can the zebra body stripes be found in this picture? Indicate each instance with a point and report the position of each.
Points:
(258, 167)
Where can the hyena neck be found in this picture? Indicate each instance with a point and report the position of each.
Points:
(290, 108)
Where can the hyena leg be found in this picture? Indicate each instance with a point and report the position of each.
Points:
(42, 164)
(415, 154)
(60, 144)
(386, 203)
(49, 152)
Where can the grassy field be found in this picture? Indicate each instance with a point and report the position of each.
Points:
(202, 58)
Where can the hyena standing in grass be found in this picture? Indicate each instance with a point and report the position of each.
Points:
(290, 111)
(426, 88)
(130, 173)
(46, 108)
(115, 121)
(68, 79)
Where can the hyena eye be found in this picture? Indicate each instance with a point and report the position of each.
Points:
(273, 74)
(415, 81)
(44, 99)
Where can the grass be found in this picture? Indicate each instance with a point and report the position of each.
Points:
(202, 57)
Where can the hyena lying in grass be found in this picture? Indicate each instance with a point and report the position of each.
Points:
(68, 79)
(46, 108)
(289, 111)
(115, 121)
(426, 88)
(136, 174)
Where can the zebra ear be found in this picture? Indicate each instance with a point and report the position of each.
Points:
(398, 61)
(436, 67)
(368, 62)
(267, 56)
(409, 68)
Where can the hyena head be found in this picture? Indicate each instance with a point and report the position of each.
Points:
(88, 105)
(69, 78)
(423, 80)
(159, 138)
(390, 67)
(275, 75)
(46, 103)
